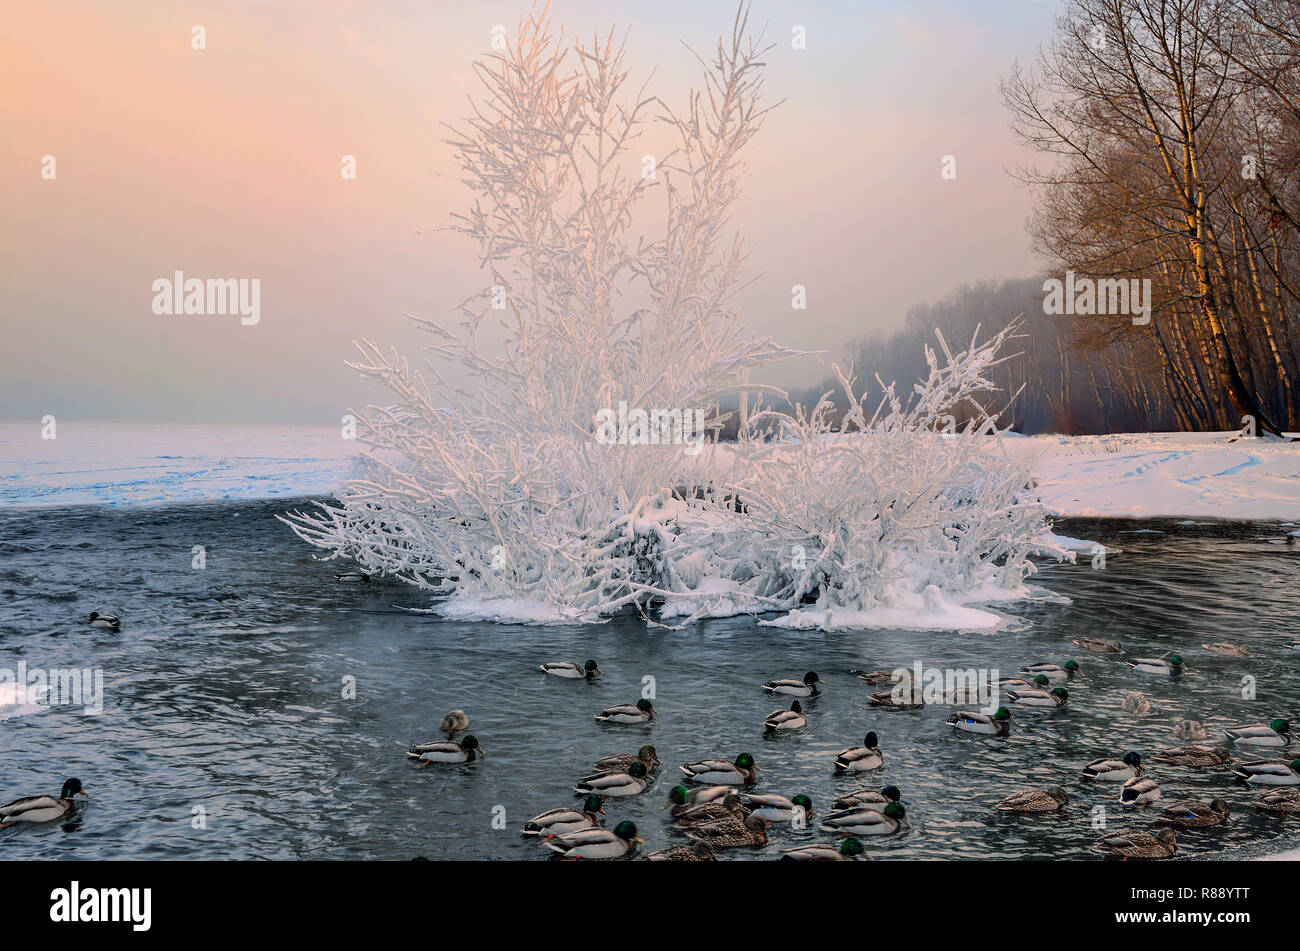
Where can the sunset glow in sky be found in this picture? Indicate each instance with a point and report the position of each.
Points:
(224, 162)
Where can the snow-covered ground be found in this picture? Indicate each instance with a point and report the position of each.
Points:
(1188, 475)
(142, 464)
(1182, 475)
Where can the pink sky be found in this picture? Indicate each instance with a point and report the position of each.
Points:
(224, 162)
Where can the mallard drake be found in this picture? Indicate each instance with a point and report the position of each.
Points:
(1135, 702)
(571, 671)
(697, 851)
(1113, 770)
(731, 833)
(1034, 800)
(620, 762)
(1277, 733)
(1139, 792)
(868, 797)
(864, 820)
(712, 810)
(616, 785)
(596, 843)
(1172, 667)
(1227, 650)
(1099, 645)
(877, 677)
(779, 721)
(352, 577)
(1192, 815)
(1193, 756)
(42, 808)
(683, 799)
(446, 751)
(1280, 802)
(721, 772)
(107, 621)
(1189, 730)
(562, 820)
(1132, 844)
(640, 712)
(796, 688)
(1040, 682)
(999, 724)
(774, 808)
(1056, 697)
(850, 850)
(1052, 671)
(1269, 774)
(454, 722)
(891, 700)
(862, 758)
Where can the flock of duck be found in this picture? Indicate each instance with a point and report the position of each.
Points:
(714, 807)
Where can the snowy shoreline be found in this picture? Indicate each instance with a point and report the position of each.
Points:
(1129, 475)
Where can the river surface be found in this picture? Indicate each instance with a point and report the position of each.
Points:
(226, 733)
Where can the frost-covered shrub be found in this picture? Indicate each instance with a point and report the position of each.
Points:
(503, 495)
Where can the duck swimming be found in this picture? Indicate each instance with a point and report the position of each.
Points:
(107, 621)
(892, 700)
(446, 751)
(863, 820)
(640, 712)
(620, 762)
(731, 833)
(1193, 815)
(453, 723)
(1227, 650)
(850, 850)
(1189, 730)
(632, 783)
(1099, 645)
(796, 688)
(1172, 667)
(1196, 757)
(862, 758)
(697, 851)
(42, 808)
(721, 772)
(1139, 792)
(1057, 697)
(1052, 671)
(1033, 801)
(1269, 774)
(780, 721)
(869, 797)
(596, 843)
(1135, 702)
(1277, 733)
(1282, 802)
(565, 819)
(1113, 770)
(773, 808)
(571, 671)
(877, 677)
(999, 724)
(1132, 844)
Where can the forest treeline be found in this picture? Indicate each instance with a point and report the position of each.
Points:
(1168, 135)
